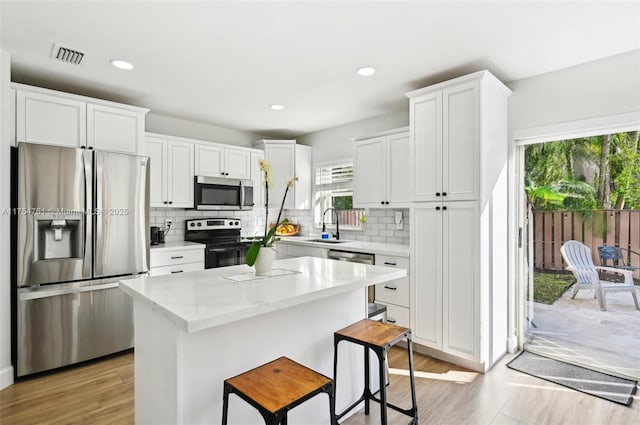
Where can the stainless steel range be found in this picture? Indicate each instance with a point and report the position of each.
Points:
(222, 237)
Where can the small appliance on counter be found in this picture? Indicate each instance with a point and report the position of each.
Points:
(157, 235)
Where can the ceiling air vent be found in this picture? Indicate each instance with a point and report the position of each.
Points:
(66, 54)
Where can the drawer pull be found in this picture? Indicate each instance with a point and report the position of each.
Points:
(390, 287)
(387, 263)
(176, 271)
(177, 257)
(391, 320)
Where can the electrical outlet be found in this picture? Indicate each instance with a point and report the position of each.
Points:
(398, 220)
(168, 222)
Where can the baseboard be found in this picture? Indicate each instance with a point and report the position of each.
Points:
(6, 377)
(469, 364)
(512, 344)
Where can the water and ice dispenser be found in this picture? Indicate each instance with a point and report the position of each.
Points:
(57, 238)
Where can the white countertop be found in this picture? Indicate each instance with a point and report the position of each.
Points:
(199, 300)
(170, 246)
(378, 248)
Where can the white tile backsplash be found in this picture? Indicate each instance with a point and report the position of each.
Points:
(380, 225)
(250, 220)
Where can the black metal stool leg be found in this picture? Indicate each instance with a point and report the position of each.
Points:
(412, 380)
(383, 387)
(367, 381)
(225, 404)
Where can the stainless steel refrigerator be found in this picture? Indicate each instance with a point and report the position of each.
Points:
(81, 225)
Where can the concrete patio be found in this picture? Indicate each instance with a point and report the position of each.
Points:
(577, 331)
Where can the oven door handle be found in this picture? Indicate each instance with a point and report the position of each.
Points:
(220, 249)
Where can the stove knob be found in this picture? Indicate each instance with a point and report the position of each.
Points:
(199, 224)
(237, 223)
(192, 224)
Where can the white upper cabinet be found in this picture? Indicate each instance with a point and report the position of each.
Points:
(55, 118)
(209, 160)
(381, 175)
(114, 129)
(171, 172)
(288, 159)
(445, 134)
(50, 120)
(219, 161)
(257, 177)
(237, 163)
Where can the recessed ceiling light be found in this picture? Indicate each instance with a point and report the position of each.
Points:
(366, 71)
(121, 64)
(276, 107)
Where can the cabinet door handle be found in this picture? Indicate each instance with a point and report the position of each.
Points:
(444, 208)
(444, 193)
(165, 202)
(177, 257)
(170, 202)
(437, 208)
(437, 193)
(176, 271)
(381, 202)
(90, 148)
(391, 320)
(388, 263)
(387, 202)
(390, 287)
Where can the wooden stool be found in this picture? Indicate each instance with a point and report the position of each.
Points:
(277, 387)
(378, 337)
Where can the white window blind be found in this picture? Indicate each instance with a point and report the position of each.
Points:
(334, 177)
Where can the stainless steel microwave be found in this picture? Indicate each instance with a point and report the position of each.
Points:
(216, 193)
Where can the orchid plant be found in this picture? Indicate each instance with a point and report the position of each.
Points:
(269, 237)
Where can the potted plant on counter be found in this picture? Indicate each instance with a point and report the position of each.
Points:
(261, 254)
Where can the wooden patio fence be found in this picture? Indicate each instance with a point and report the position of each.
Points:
(603, 227)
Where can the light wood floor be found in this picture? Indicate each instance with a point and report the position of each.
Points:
(102, 393)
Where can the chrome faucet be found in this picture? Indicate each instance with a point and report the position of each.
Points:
(324, 227)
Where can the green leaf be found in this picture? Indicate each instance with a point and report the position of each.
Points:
(252, 253)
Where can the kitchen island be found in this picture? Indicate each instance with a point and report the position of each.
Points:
(194, 330)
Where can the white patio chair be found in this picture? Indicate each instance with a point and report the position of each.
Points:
(578, 258)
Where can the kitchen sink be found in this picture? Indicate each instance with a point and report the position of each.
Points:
(327, 240)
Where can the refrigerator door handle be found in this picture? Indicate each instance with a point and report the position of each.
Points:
(54, 292)
(87, 160)
(98, 217)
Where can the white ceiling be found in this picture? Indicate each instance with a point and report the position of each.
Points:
(225, 62)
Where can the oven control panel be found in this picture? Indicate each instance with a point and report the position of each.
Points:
(213, 223)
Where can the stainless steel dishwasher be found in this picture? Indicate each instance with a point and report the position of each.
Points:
(376, 311)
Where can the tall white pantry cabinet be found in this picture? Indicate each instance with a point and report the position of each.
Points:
(458, 172)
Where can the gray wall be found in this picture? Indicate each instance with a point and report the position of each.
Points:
(335, 143)
(162, 124)
(596, 89)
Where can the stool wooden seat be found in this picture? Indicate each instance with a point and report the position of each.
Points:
(378, 337)
(277, 387)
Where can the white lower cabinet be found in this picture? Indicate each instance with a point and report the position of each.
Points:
(395, 294)
(176, 260)
(446, 279)
(398, 315)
